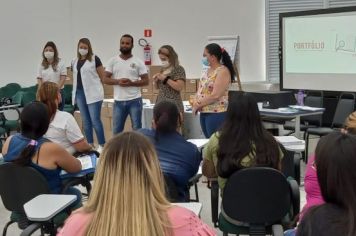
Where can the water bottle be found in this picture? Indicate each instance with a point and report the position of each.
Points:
(300, 98)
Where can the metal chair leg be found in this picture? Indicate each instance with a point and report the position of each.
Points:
(6, 226)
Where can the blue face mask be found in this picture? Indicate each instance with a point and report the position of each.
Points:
(205, 61)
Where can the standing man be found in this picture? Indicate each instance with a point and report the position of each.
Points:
(127, 73)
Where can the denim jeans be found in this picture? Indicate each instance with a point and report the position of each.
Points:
(211, 122)
(74, 191)
(61, 104)
(124, 108)
(90, 114)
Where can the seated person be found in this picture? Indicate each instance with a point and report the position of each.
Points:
(30, 148)
(335, 161)
(179, 159)
(63, 128)
(242, 142)
(311, 184)
(128, 196)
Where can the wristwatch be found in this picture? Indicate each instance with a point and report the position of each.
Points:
(166, 79)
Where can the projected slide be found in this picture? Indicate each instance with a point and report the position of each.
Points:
(323, 44)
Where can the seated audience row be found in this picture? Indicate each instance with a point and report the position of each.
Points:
(128, 196)
(30, 148)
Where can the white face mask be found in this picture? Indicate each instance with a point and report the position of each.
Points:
(83, 51)
(48, 54)
(165, 64)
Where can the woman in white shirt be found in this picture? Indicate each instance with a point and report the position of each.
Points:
(63, 128)
(88, 92)
(52, 69)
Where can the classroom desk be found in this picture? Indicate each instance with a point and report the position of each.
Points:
(193, 206)
(292, 114)
(45, 206)
(192, 129)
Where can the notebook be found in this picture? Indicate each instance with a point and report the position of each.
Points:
(88, 166)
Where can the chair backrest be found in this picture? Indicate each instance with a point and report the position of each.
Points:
(287, 162)
(345, 106)
(14, 87)
(171, 189)
(28, 97)
(256, 195)
(68, 93)
(314, 99)
(19, 184)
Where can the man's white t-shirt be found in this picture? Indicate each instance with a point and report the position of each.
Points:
(50, 75)
(64, 130)
(132, 69)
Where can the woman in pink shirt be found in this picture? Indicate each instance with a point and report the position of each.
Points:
(128, 196)
(311, 186)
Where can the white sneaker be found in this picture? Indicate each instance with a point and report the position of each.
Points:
(99, 149)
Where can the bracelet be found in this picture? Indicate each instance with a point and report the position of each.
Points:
(166, 79)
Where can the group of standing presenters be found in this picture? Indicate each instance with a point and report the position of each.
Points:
(127, 73)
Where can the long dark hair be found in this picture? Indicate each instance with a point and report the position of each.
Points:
(45, 62)
(242, 135)
(221, 54)
(335, 160)
(34, 121)
(166, 117)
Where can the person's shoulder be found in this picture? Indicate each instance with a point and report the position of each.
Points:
(63, 116)
(51, 149)
(61, 62)
(185, 221)
(214, 138)
(76, 223)
(179, 68)
(113, 59)
(137, 60)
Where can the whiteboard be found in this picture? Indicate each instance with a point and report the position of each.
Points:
(230, 44)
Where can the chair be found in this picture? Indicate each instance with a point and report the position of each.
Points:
(18, 185)
(290, 164)
(171, 189)
(68, 107)
(345, 106)
(313, 99)
(28, 97)
(13, 88)
(260, 197)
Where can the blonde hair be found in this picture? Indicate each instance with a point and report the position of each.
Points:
(350, 123)
(172, 55)
(90, 54)
(128, 196)
(48, 94)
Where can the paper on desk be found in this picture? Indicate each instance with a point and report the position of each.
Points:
(289, 140)
(86, 162)
(306, 108)
(198, 142)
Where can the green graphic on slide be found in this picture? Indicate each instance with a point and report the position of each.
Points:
(322, 44)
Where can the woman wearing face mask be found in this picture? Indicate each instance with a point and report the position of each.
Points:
(88, 92)
(170, 81)
(212, 95)
(52, 69)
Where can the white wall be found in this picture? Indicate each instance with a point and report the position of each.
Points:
(183, 24)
